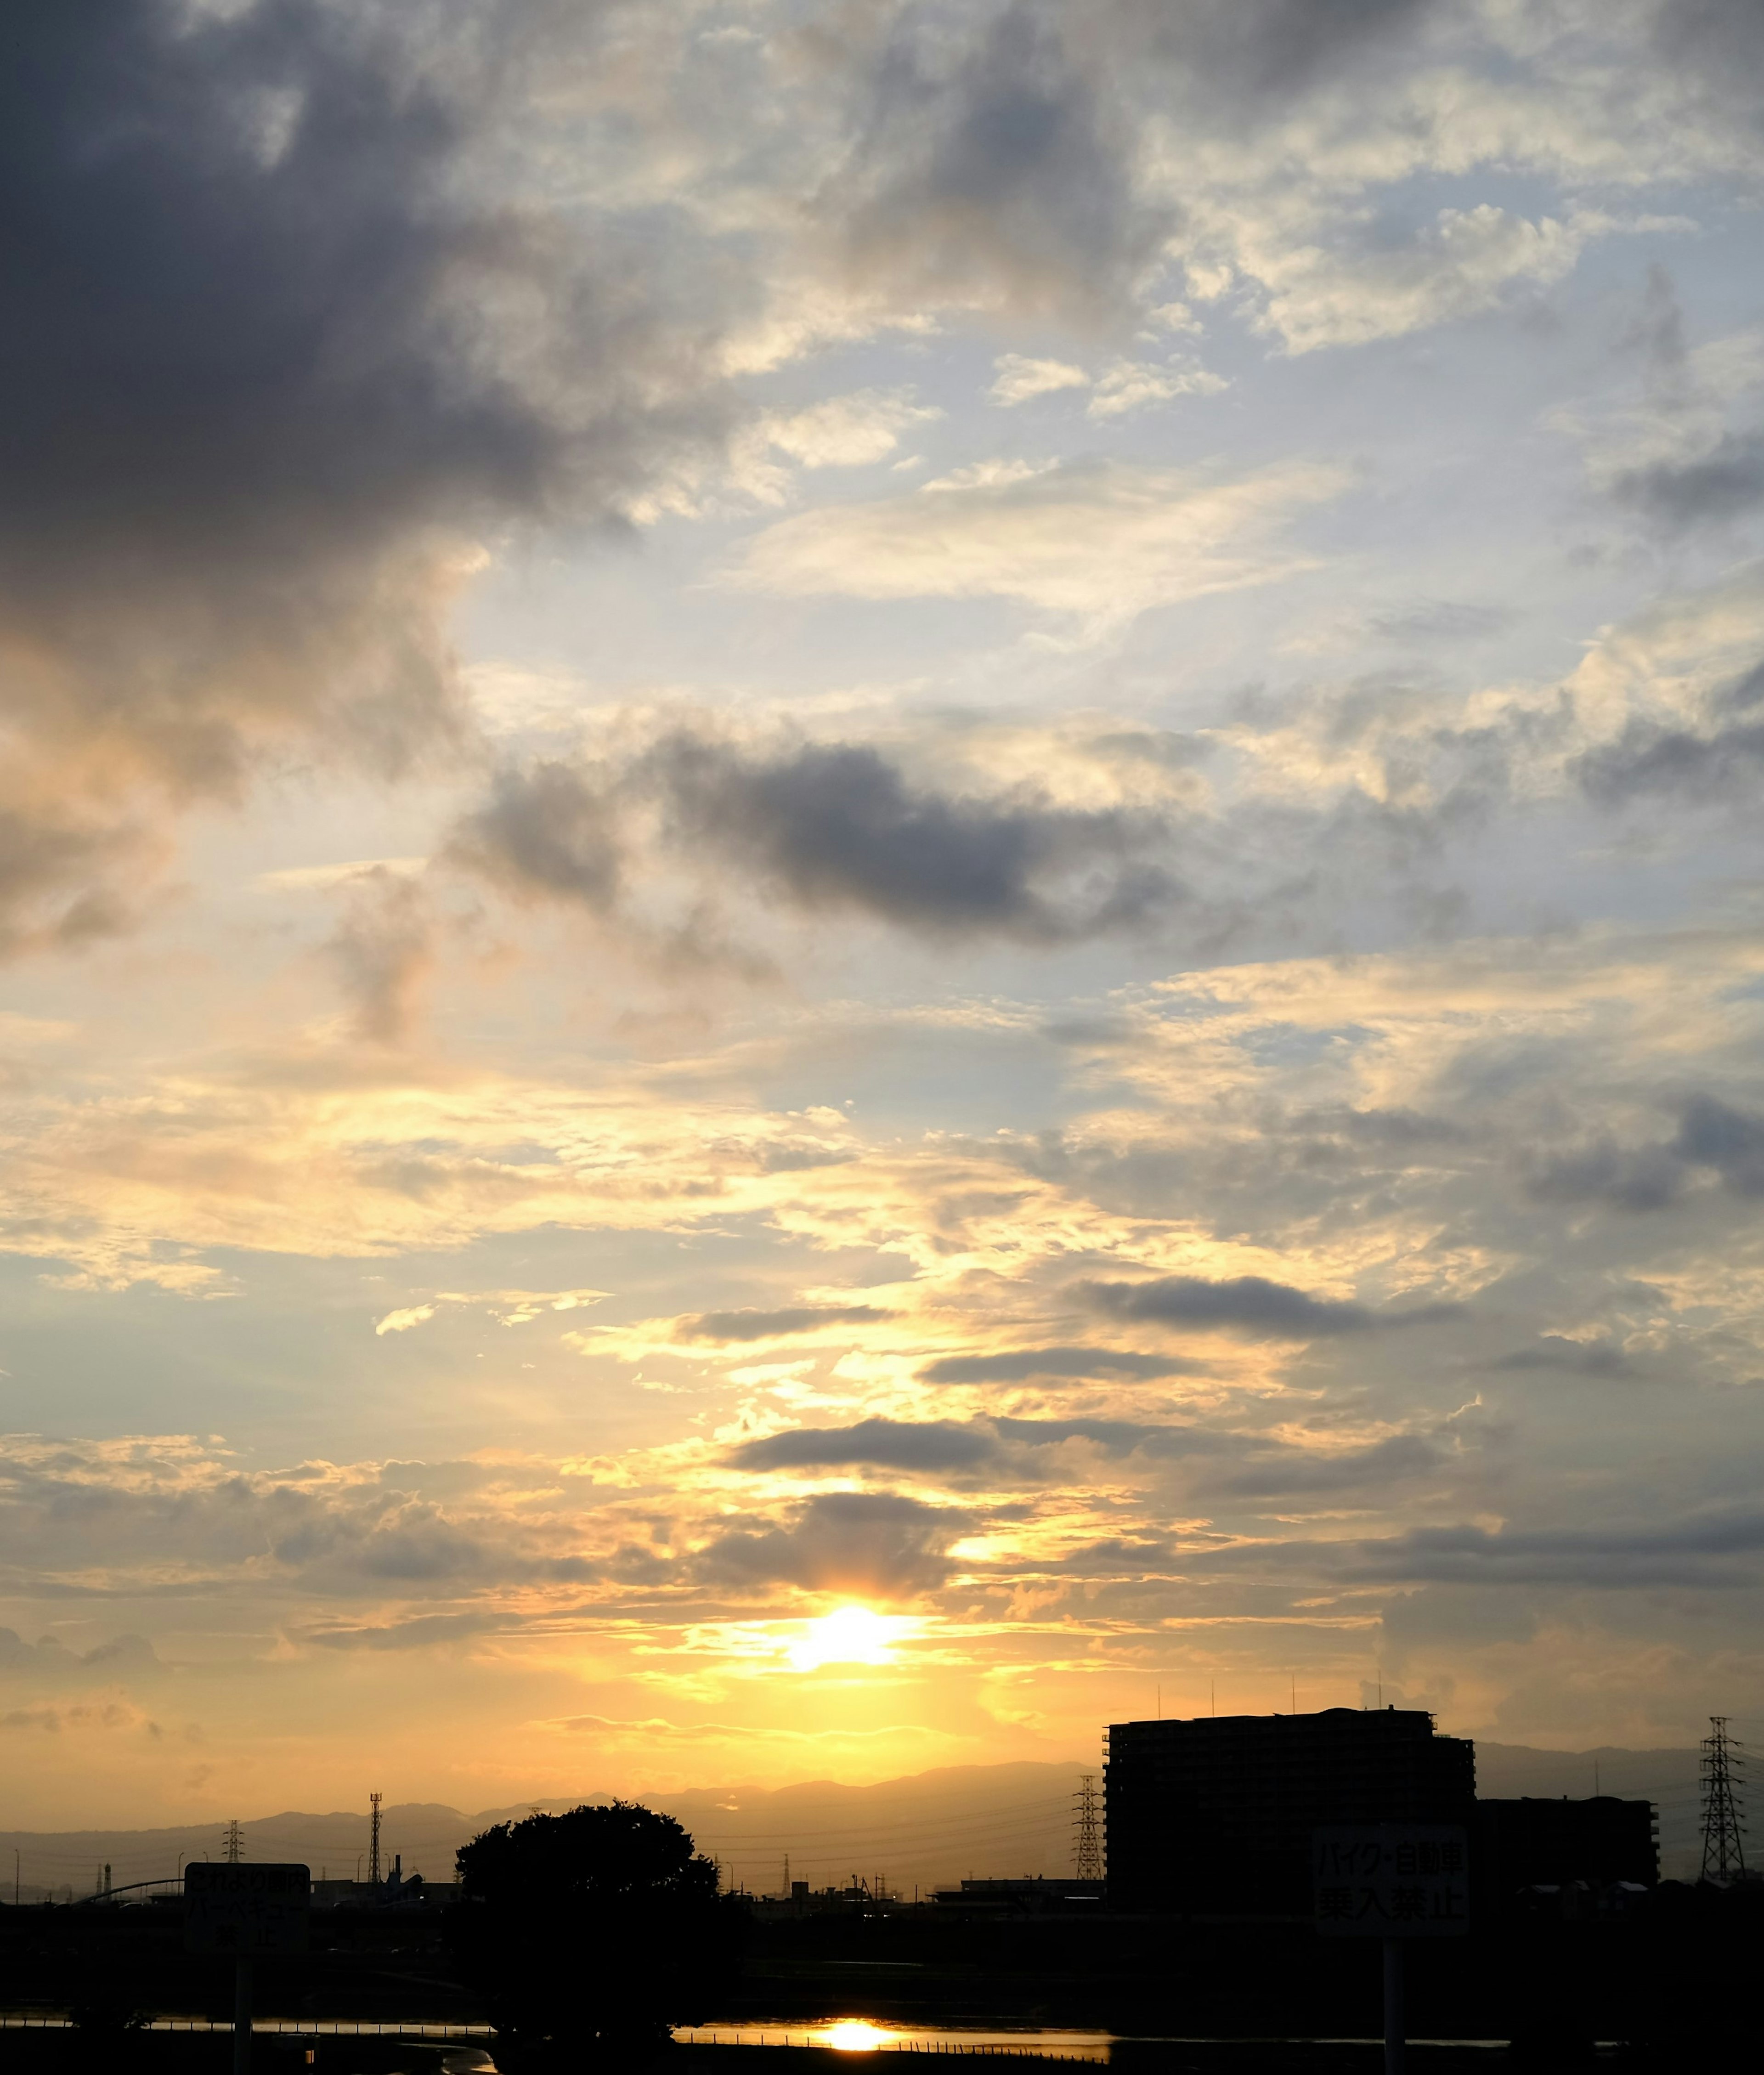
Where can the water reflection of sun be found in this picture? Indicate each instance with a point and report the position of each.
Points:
(854, 2035)
(849, 1635)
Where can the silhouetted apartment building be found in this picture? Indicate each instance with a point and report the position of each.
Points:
(1529, 1844)
(1214, 1816)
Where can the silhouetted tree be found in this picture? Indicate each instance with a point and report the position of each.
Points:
(594, 1930)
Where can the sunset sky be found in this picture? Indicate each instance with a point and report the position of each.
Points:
(876, 877)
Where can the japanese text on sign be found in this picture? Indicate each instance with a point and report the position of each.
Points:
(1390, 1880)
(246, 1910)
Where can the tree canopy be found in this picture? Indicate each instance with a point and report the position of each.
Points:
(596, 1929)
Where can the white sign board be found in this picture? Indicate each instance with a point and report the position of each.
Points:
(246, 1910)
(1390, 1880)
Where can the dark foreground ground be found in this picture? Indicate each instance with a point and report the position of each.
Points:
(148, 2053)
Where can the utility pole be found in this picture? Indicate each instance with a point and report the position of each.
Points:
(373, 1846)
(1724, 1806)
(1087, 1846)
(234, 1842)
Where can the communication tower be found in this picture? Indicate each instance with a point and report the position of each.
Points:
(373, 1840)
(1724, 1806)
(1087, 1840)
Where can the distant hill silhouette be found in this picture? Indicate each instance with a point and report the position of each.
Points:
(926, 1830)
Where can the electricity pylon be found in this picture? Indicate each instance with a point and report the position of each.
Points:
(373, 1843)
(234, 1842)
(1724, 1806)
(1087, 1841)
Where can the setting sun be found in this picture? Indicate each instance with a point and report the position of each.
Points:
(849, 1635)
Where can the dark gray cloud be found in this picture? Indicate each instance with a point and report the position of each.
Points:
(1114, 1437)
(1721, 1549)
(995, 169)
(1578, 1357)
(1713, 1134)
(1021, 1363)
(837, 825)
(384, 950)
(1647, 758)
(124, 1656)
(270, 366)
(895, 1444)
(1722, 484)
(1303, 1472)
(1250, 1304)
(738, 1327)
(421, 1632)
(1644, 1178)
(1270, 49)
(878, 1543)
(547, 830)
(834, 827)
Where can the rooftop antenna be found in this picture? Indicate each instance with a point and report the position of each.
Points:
(373, 1840)
(1724, 1807)
(1088, 1849)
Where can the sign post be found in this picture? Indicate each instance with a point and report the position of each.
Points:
(232, 1907)
(1394, 1881)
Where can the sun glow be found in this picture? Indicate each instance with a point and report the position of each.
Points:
(854, 2035)
(849, 1635)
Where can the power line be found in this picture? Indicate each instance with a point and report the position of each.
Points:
(1723, 1808)
(1088, 1848)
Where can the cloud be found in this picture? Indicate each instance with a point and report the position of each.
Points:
(1022, 1365)
(1717, 486)
(1713, 1134)
(1250, 1304)
(739, 1328)
(1103, 539)
(939, 1444)
(1645, 1178)
(1298, 1473)
(290, 364)
(847, 432)
(384, 951)
(1719, 1549)
(992, 168)
(1578, 1357)
(124, 1656)
(827, 827)
(1018, 379)
(549, 829)
(840, 827)
(1466, 260)
(877, 1544)
(1130, 383)
(509, 1307)
(1649, 758)
(421, 1632)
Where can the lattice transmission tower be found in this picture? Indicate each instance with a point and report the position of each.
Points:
(373, 1840)
(233, 1842)
(1086, 1837)
(1723, 1804)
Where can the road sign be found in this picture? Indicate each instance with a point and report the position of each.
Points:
(1390, 1880)
(247, 1909)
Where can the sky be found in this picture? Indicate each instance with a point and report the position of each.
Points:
(875, 878)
